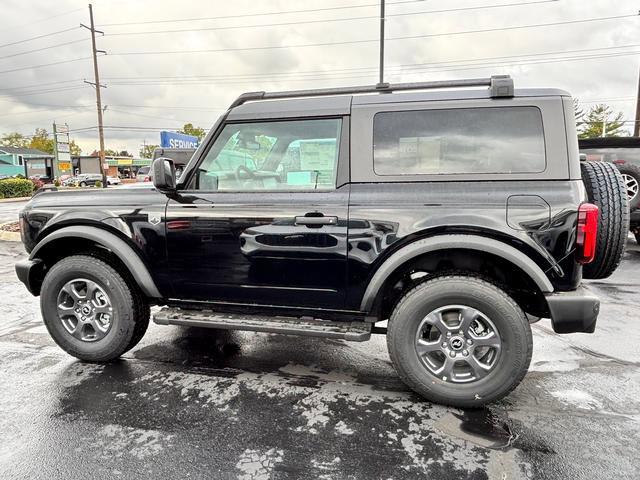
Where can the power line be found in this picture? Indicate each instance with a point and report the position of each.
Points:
(302, 22)
(44, 65)
(44, 48)
(38, 36)
(142, 115)
(605, 100)
(163, 107)
(45, 104)
(349, 42)
(462, 67)
(121, 127)
(434, 66)
(315, 73)
(41, 92)
(39, 111)
(57, 15)
(243, 15)
(39, 85)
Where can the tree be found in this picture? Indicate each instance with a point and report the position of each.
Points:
(14, 139)
(108, 152)
(74, 148)
(189, 129)
(599, 117)
(42, 141)
(147, 151)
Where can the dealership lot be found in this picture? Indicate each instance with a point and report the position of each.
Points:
(202, 403)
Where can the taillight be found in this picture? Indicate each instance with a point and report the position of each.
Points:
(619, 162)
(147, 179)
(587, 233)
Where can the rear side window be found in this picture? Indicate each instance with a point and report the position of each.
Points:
(459, 141)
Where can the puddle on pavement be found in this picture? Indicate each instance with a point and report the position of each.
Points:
(490, 429)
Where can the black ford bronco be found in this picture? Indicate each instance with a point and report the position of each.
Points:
(448, 220)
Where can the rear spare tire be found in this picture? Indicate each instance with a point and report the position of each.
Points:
(631, 178)
(606, 189)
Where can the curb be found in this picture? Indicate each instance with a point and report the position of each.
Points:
(16, 199)
(9, 236)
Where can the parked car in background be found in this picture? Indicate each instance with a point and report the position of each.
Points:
(624, 153)
(144, 174)
(83, 180)
(69, 182)
(113, 180)
(43, 178)
(180, 157)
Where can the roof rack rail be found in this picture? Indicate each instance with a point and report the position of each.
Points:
(499, 86)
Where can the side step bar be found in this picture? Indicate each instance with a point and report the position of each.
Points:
(352, 331)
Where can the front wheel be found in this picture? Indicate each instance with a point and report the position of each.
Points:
(83, 184)
(459, 341)
(90, 311)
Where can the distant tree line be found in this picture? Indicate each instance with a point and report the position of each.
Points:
(41, 140)
(599, 121)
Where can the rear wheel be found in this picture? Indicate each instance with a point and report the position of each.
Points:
(83, 184)
(459, 341)
(606, 189)
(90, 311)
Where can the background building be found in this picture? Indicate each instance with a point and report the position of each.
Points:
(25, 161)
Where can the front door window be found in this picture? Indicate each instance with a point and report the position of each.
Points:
(272, 156)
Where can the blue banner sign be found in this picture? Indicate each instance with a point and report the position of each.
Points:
(177, 140)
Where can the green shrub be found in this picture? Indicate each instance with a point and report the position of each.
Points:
(98, 184)
(16, 187)
(56, 182)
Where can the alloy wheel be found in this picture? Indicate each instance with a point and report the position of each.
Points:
(631, 184)
(458, 344)
(85, 310)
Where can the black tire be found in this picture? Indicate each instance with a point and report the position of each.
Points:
(637, 235)
(509, 320)
(606, 189)
(83, 184)
(128, 321)
(632, 184)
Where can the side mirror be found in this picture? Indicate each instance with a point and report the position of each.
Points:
(164, 175)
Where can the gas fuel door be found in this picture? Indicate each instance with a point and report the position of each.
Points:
(528, 213)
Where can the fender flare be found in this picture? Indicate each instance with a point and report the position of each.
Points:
(448, 242)
(119, 247)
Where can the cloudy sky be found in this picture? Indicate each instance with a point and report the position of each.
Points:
(169, 62)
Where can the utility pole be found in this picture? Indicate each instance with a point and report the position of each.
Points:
(97, 85)
(636, 125)
(381, 80)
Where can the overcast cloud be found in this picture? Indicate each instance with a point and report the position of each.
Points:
(164, 90)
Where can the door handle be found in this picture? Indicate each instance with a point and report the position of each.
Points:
(316, 221)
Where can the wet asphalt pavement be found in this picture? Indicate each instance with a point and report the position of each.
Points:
(190, 403)
(9, 210)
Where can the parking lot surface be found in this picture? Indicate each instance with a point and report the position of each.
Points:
(190, 403)
(9, 210)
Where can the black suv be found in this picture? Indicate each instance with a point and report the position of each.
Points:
(456, 216)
